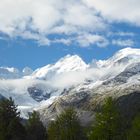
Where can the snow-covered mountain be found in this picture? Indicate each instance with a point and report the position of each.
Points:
(67, 64)
(69, 79)
(14, 73)
(9, 73)
(27, 71)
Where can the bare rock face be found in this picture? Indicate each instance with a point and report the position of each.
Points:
(87, 103)
(38, 94)
(122, 78)
(129, 104)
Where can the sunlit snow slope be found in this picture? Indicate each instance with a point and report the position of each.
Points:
(31, 89)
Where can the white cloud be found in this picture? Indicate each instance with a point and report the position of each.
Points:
(125, 34)
(37, 19)
(64, 41)
(90, 39)
(80, 16)
(122, 34)
(44, 41)
(95, 74)
(117, 10)
(123, 43)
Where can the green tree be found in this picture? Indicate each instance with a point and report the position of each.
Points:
(66, 127)
(10, 125)
(107, 123)
(16, 131)
(35, 128)
(134, 132)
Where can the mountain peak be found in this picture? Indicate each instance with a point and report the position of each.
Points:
(68, 63)
(124, 56)
(10, 69)
(27, 71)
(127, 52)
(71, 63)
(9, 73)
(69, 56)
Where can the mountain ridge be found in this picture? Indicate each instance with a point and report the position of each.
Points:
(70, 78)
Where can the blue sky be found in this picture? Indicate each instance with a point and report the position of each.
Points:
(34, 33)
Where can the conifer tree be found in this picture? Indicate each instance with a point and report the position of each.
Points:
(16, 131)
(9, 121)
(107, 123)
(35, 128)
(134, 132)
(66, 127)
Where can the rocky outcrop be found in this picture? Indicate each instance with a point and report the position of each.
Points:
(38, 94)
(129, 105)
(125, 75)
(87, 103)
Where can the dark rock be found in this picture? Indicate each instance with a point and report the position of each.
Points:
(129, 105)
(38, 94)
(125, 75)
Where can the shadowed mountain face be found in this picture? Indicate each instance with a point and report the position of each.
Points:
(87, 104)
(129, 105)
(37, 94)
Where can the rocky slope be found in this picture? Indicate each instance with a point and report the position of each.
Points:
(72, 82)
(88, 101)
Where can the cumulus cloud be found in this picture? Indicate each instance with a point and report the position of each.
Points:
(84, 40)
(122, 34)
(117, 10)
(123, 43)
(131, 34)
(90, 39)
(37, 19)
(64, 41)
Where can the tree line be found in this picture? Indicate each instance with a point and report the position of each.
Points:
(108, 124)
